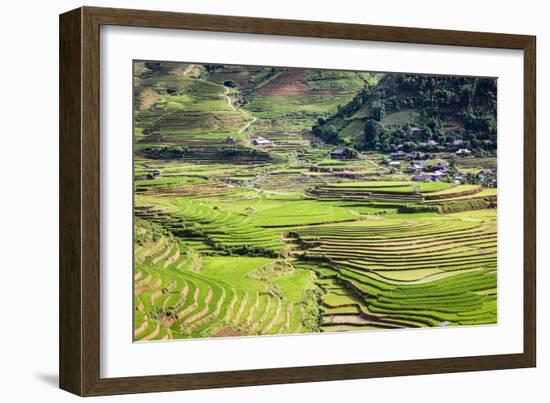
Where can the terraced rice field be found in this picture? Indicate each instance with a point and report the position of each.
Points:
(433, 271)
(178, 294)
(236, 240)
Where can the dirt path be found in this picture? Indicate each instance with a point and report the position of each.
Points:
(188, 69)
(228, 98)
(268, 80)
(378, 166)
(247, 125)
(230, 104)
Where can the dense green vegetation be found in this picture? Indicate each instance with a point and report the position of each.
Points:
(410, 110)
(248, 222)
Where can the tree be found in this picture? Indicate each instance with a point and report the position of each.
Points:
(378, 110)
(408, 146)
(466, 93)
(372, 132)
(350, 152)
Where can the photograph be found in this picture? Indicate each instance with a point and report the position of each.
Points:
(272, 200)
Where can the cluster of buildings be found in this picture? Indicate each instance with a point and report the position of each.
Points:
(485, 176)
(419, 155)
(432, 145)
(414, 155)
(434, 175)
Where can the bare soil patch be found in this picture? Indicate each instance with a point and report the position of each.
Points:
(289, 83)
(229, 332)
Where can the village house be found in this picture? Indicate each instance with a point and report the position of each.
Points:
(454, 143)
(484, 172)
(395, 164)
(437, 174)
(416, 155)
(260, 141)
(398, 155)
(153, 174)
(337, 154)
(415, 130)
(429, 143)
(460, 177)
(429, 176)
(415, 167)
(230, 139)
(463, 152)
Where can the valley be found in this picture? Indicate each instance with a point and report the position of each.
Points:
(273, 200)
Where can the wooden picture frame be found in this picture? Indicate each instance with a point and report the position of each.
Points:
(79, 348)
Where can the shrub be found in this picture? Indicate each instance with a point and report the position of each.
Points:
(163, 152)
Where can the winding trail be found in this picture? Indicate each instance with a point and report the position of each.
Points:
(378, 166)
(247, 125)
(228, 98)
(230, 104)
(188, 69)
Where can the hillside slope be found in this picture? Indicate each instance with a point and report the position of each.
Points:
(416, 112)
(287, 101)
(210, 112)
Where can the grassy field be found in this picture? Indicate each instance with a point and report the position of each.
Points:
(233, 239)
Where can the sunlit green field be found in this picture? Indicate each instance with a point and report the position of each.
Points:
(232, 240)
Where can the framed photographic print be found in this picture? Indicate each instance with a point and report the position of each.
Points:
(251, 201)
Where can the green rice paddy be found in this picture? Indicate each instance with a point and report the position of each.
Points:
(234, 244)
